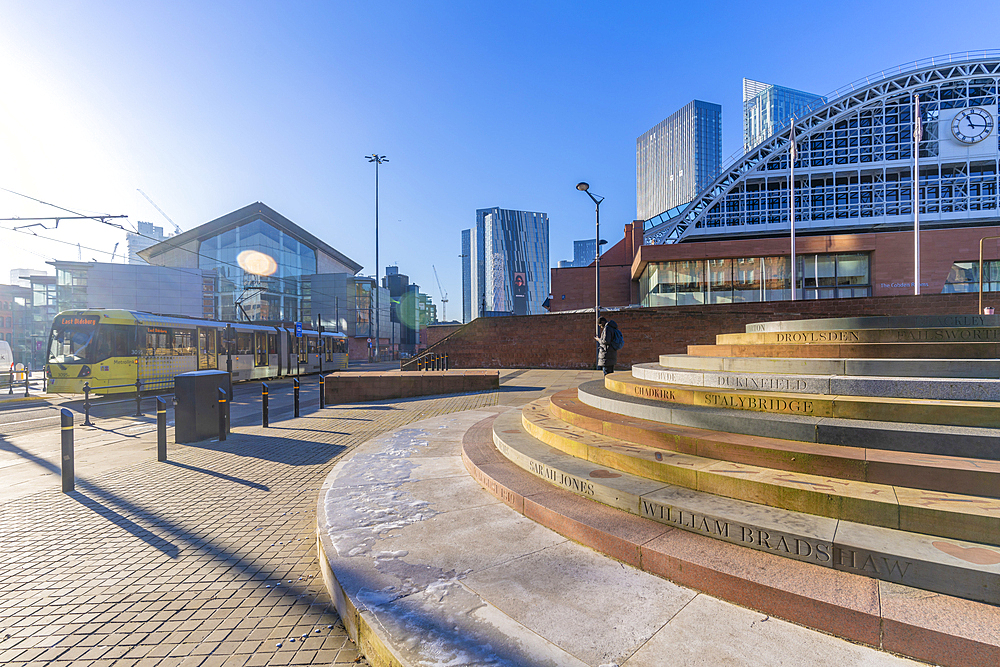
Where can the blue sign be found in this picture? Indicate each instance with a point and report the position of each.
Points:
(298, 329)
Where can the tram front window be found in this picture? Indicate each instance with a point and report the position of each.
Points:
(73, 343)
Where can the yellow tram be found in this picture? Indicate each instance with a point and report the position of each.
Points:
(111, 349)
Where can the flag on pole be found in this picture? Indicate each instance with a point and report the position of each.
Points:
(918, 128)
(793, 152)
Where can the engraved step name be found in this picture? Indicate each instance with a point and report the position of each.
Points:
(878, 322)
(930, 335)
(760, 403)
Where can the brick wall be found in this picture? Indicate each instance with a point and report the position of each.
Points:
(566, 340)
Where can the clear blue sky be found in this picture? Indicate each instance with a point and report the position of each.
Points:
(208, 107)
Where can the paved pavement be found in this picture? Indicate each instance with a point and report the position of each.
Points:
(208, 559)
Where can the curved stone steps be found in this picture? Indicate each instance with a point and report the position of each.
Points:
(932, 388)
(958, 516)
(961, 568)
(868, 335)
(878, 322)
(969, 476)
(907, 410)
(853, 350)
(959, 441)
(920, 368)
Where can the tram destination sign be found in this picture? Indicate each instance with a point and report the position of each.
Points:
(76, 320)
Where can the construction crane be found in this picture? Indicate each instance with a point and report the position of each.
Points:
(177, 229)
(444, 296)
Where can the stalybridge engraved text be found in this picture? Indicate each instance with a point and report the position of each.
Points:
(760, 403)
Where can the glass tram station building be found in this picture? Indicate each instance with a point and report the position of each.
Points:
(853, 199)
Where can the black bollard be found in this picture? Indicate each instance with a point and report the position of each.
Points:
(222, 414)
(10, 380)
(138, 398)
(86, 405)
(66, 460)
(263, 404)
(27, 381)
(161, 429)
(322, 392)
(446, 361)
(295, 383)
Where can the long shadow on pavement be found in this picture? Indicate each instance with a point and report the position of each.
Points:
(220, 475)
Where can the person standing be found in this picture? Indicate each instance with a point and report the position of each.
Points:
(610, 340)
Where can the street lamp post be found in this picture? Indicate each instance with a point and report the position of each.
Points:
(585, 187)
(377, 159)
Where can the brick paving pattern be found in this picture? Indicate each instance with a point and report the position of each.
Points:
(209, 559)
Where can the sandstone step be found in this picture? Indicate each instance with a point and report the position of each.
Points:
(878, 322)
(853, 350)
(943, 564)
(960, 389)
(909, 410)
(933, 627)
(958, 441)
(932, 368)
(979, 477)
(887, 335)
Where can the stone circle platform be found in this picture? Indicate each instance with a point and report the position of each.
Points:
(429, 564)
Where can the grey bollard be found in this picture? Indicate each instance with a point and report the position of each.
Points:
(66, 460)
(138, 398)
(86, 404)
(161, 429)
(263, 404)
(222, 414)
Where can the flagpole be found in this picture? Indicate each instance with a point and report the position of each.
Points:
(791, 198)
(917, 136)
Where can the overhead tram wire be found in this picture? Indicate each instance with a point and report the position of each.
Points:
(151, 238)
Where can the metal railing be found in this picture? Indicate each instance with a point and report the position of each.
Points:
(430, 361)
(139, 385)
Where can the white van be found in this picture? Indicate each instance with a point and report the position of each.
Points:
(6, 356)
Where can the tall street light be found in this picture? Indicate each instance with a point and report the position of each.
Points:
(377, 159)
(585, 187)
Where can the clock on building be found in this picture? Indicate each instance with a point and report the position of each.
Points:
(972, 125)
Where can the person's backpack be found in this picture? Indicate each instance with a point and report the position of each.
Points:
(617, 341)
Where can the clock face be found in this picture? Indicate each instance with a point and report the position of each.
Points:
(972, 125)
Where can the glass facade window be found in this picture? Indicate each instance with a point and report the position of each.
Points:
(964, 277)
(754, 279)
(854, 166)
(262, 268)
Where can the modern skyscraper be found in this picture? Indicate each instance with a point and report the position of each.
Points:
(678, 158)
(767, 108)
(508, 270)
(466, 275)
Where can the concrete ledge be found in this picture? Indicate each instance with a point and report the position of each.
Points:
(950, 474)
(958, 441)
(948, 389)
(363, 387)
(935, 368)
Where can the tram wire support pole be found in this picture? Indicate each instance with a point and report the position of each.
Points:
(66, 458)
(322, 392)
(295, 385)
(86, 405)
(138, 398)
(263, 404)
(223, 396)
(161, 429)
